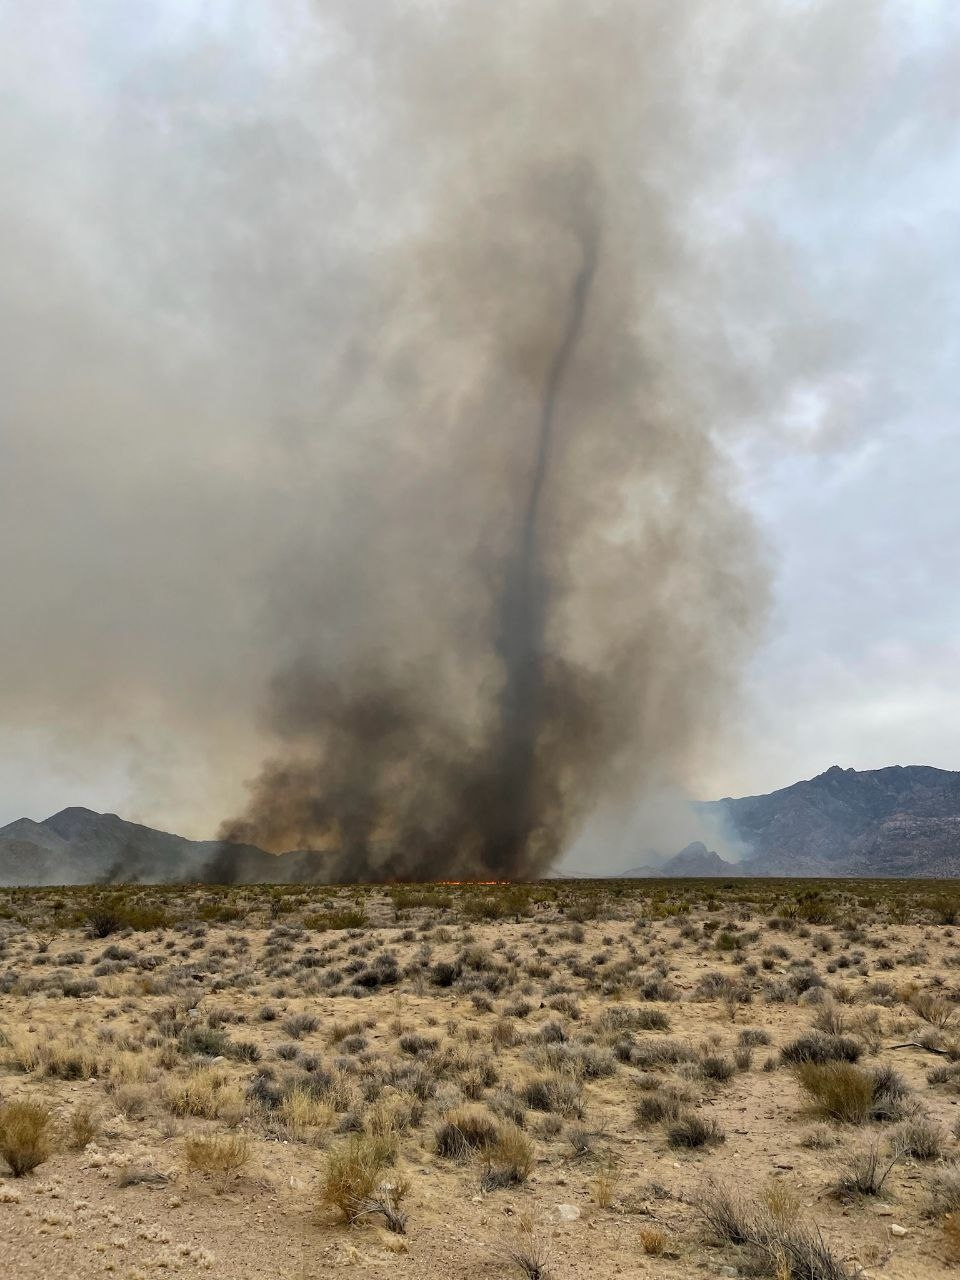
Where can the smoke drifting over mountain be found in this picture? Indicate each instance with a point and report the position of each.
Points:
(372, 370)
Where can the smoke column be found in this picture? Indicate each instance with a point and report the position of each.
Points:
(523, 610)
(552, 586)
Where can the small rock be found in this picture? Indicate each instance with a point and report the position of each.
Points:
(568, 1212)
(897, 1230)
(883, 1211)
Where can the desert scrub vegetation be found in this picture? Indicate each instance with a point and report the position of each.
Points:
(465, 1131)
(218, 1155)
(352, 1177)
(849, 1094)
(781, 1245)
(507, 1040)
(26, 1139)
(692, 1131)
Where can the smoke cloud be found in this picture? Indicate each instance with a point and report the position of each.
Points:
(374, 372)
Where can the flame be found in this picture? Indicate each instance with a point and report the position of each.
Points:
(473, 882)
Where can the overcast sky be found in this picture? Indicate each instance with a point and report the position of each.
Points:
(143, 500)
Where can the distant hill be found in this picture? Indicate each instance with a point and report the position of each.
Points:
(899, 821)
(696, 861)
(79, 846)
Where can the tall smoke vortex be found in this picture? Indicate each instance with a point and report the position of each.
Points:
(531, 589)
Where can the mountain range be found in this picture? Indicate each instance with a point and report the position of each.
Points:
(79, 846)
(900, 821)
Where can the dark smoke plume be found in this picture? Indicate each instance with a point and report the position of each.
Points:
(551, 586)
(391, 788)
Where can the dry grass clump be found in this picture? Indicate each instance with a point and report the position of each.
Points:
(207, 1093)
(606, 1183)
(920, 1139)
(510, 1160)
(528, 1257)
(301, 1113)
(559, 1092)
(692, 1131)
(820, 1047)
(820, 1138)
(464, 1131)
(218, 1155)
(22, 1052)
(943, 1193)
(352, 1176)
(652, 1241)
(933, 1009)
(82, 1128)
(844, 1092)
(25, 1139)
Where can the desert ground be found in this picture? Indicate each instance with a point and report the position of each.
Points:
(568, 1079)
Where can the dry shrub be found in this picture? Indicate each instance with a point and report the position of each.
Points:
(830, 1019)
(820, 1138)
(510, 1160)
(693, 1131)
(605, 1184)
(786, 1249)
(219, 1155)
(388, 1201)
(132, 1101)
(865, 1172)
(782, 1202)
(25, 1140)
(504, 1034)
(300, 1112)
(352, 1176)
(841, 1091)
(69, 1062)
(208, 1093)
(820, 1047)
(944, 1193)
(921, 1139)
(83, 1128)
(22, 1052)
(652, 1241)
(528, 1258)
(933, 1009)
(465, 1130)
